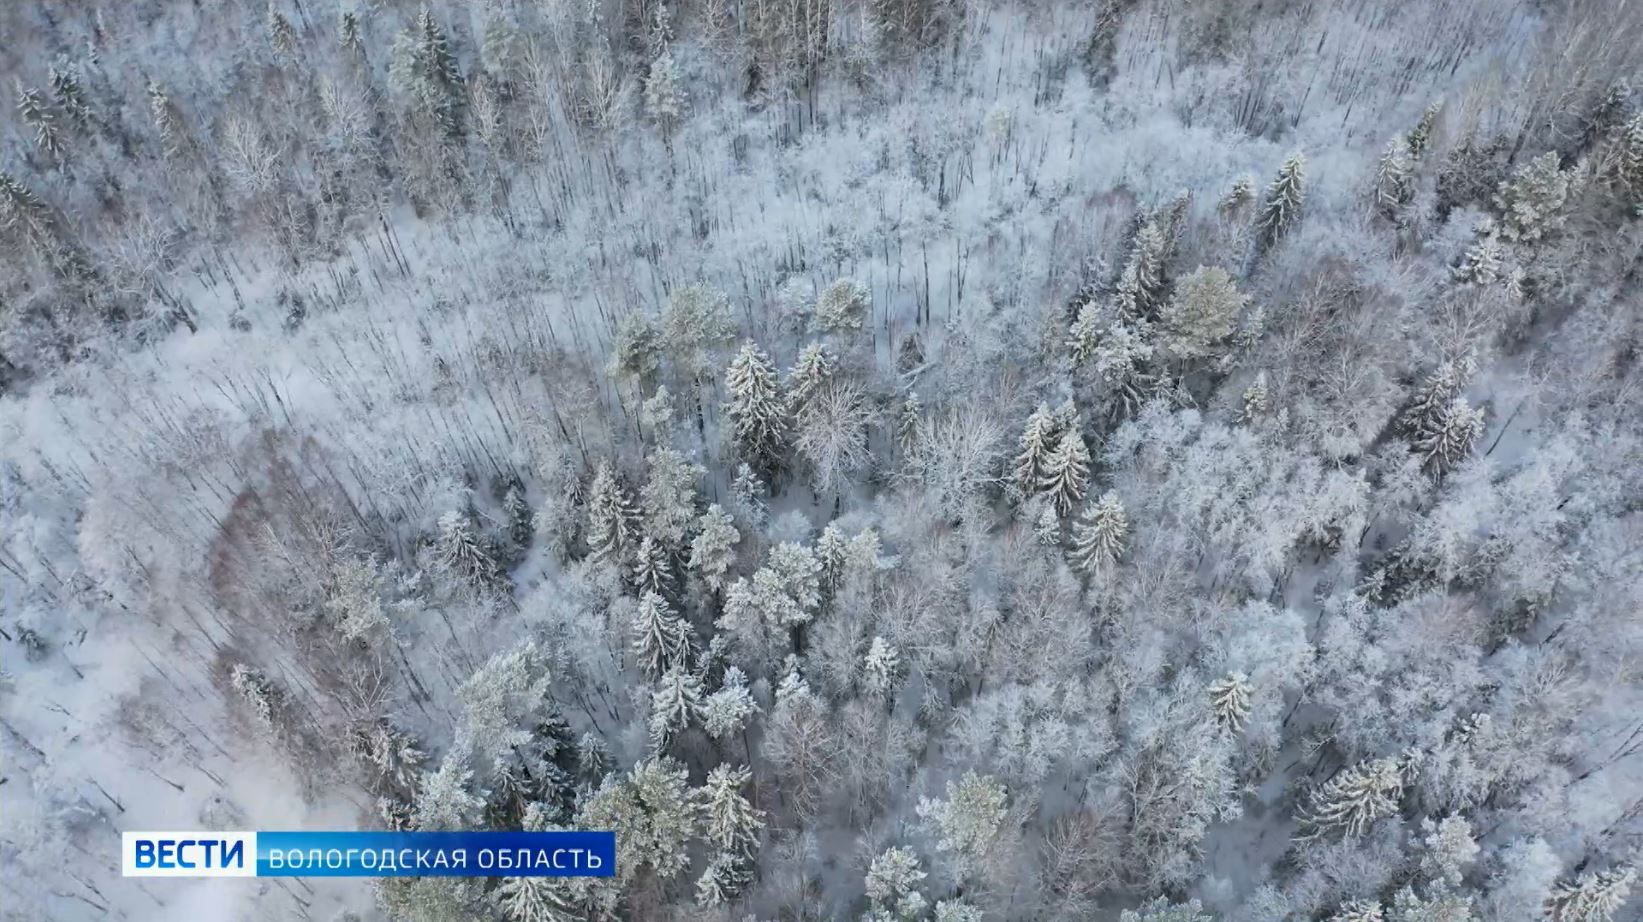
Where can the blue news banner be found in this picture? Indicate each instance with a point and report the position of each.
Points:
(368, 854)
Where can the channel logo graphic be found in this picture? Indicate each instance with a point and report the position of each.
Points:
(368, 854)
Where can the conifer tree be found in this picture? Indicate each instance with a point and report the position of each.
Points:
(1420, 138)
(1433, 397)
(1141, 284)
(1594, 896)
(713, 551)
(1229, 700)
(832, 551)
(282, 37)
(728, 710)
(1533, 202)
(661, 638)
(1481, 264)
(1257, 399)
(611, 517)
(757, 410)
(729, 822)
(1394, 180)
(1359, 911)
(538, 899)
(69, 94)
(880, 666)
(910, 425)
(812, 372)
(1240, 194)
(1354, 799)
(892, 884)
(1449, 437)
(842, 307)
(1202, 310)
(1282, 206)
(1629, 163)
(968, 821)
(1066, 471)
(1083, 339)
(1098, 538)
(748, 492)
(676, 702)
(38, 116)
(1038, 442)
(166, 123)
(668, 499)
(425, 67)
(461, 551)
(349, 37)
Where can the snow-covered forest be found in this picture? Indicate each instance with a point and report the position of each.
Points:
(889, 460)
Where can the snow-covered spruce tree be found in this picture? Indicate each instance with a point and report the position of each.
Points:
(1066, 471)
(69, 93)
(757, 410)
(1256, 399)
(675, 705)
(1098, 537)
(1358, 911)
(1394, 180)
(1353, 799)
(1480, 266)
(713, 550)
(167, 123)
(668, 499)
(636, 350)
(1141, 285)
(538, 899)
(1038, 441)
(611, 517)
(1447, 848)
(1160, 909)
(1241, 193)
(832, 552)
(811, 373)
(892, 886)
(1594, 896)
(782, 595)
(729, 822)
(1448, 439)
(880, 667)
(727, 711)
(460, 550)
(282, 36)
(1441, 387)
(842, 307)
(1439, 905)
(722, 880)
(661, 638)
(1200, 314)
(1281, 207)
(748, 492)
(664, 96)
(1629, 164)
(390, 755)
(38, 116)
(967, 822)
(350, 40)
(654, 816)
(424, 67)
(1229, 700)
(259, 693)
(1420, 137)
(910, 425)
(1533, 203)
